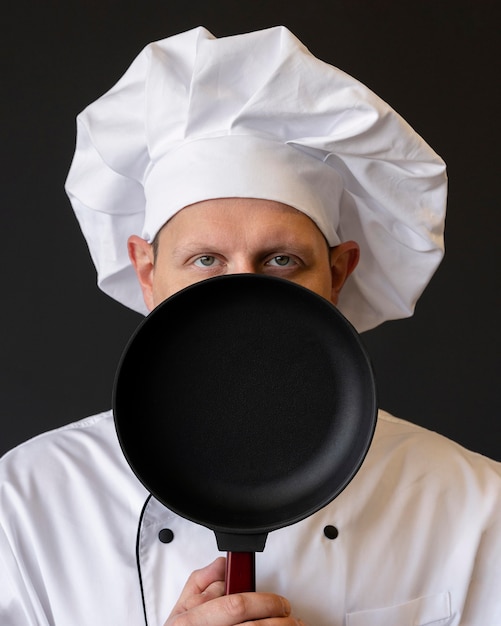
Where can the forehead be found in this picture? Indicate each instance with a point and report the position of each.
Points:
(231, 216)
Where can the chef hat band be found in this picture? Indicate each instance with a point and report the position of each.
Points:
(257, 115)
(253, 167)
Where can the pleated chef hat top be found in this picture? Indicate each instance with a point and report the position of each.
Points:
(257, 115)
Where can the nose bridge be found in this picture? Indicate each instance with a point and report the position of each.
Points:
(244, 263)
(244, 266)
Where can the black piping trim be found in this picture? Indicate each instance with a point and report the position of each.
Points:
(138, 564)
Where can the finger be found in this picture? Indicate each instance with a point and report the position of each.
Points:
(214, 590)
(199, 582)
(238, 608)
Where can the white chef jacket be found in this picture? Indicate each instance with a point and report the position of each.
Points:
(418, 543)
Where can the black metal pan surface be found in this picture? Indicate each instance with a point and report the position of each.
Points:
(245, 403)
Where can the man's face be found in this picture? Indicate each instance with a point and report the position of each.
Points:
(235, 235)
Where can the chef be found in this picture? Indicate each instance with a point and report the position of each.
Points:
(247, 154)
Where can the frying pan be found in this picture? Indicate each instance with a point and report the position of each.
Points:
(244, 403)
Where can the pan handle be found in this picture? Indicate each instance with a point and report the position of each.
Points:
(240, 572)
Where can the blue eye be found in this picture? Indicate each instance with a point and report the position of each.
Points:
(280, 260)
(205, 261)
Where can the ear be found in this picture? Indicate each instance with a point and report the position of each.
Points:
(143, 260)
(344, 259)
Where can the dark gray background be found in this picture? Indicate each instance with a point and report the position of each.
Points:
(436, 62)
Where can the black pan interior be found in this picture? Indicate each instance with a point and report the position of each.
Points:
(245, 403)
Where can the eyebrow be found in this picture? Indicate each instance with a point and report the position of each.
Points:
(287, 246)
(281, 240)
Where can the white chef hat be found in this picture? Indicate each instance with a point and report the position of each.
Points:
(258, 116)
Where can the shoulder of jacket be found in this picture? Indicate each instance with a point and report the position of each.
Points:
(394, 431)
(98, 427)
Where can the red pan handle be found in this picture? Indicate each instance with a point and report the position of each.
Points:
(240, 572)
